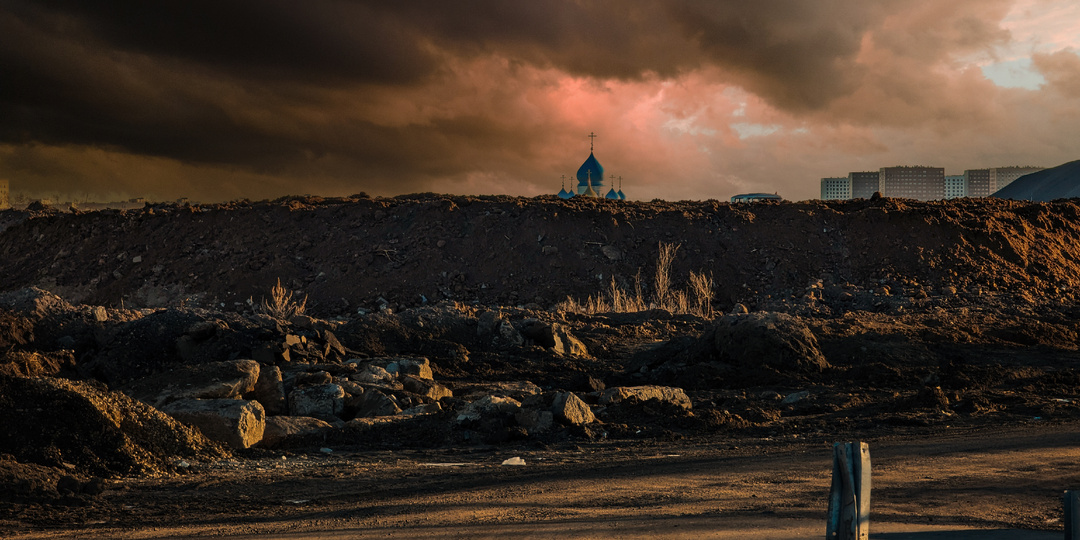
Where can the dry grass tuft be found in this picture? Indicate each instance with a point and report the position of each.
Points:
(696, 300)
(281, 304)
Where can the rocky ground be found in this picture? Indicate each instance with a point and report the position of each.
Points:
(135, 349)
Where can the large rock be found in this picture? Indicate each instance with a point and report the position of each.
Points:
(426, 388)
(554, 336)
(399, 366)
(570, 409)
(675, 396)
(324, 401)
(279, 428)
(213, 380)
(237, 423)
(374, 402)
(776, 340)
(487, 407)
(565, 342)
(270, 391)
(223, 380)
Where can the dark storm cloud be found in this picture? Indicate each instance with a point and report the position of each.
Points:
(278, 87)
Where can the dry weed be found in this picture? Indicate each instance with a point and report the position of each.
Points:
(696, 300)
(281, 304)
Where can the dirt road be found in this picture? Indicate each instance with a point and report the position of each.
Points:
(925, 486)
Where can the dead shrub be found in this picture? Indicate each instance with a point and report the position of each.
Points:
(281, 304)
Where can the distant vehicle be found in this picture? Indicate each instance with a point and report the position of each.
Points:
(756, 197)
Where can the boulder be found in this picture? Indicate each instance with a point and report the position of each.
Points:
(423, 408)
(553, 336)
(213, 380)
(269, 391)
(535, 420)
(487, 407)
(325, 401)
(374, 402)
(570, 409)
(374, 374)
(315, 378)
(398, 366)
(775, 340)
(675, 396)
(237, 423)
(425, 388)
(565, 342)
(278, 428)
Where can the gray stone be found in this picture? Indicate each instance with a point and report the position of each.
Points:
(269, 391)
(612, 253)
(237, 423)
(535, 420)
(279, 428)
(488, 406)
(570, 409)
(565, 342)
(417, 367)
(374, 403)
(325, 401)
(776, 340)
(312, 378)
(374, 374)
(425, 388)
(423, 408)
(675, 396)
(795, 397)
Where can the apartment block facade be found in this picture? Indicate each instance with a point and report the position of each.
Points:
(1003, 176)
(955, 186)
(922, 183)
(835, 189)
(864, 184)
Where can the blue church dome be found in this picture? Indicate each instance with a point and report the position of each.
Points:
(590, 170)
(612, 195)
(563, 194)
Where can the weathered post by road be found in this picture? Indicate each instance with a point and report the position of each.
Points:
(849, 497)
(1071, 501)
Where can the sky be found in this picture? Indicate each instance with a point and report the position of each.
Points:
(689, 99)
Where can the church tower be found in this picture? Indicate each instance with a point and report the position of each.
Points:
(590, 175)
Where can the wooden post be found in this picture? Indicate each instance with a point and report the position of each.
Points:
(849, 496)
(1072, 513)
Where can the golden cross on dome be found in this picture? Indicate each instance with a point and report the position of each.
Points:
(591, 141)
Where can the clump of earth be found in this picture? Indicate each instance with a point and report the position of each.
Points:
(144, 344)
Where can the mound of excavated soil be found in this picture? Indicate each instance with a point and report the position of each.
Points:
(79, 426)
(362, 253)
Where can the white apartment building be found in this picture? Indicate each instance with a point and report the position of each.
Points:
(835, 189)
(1003, 176)
(955, 186)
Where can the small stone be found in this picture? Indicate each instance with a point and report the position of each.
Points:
(549, 250)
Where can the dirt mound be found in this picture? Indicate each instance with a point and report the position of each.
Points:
(370, 254)
(61, 423)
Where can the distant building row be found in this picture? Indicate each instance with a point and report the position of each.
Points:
(923, 183)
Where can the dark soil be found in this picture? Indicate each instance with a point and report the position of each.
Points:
(866, 319)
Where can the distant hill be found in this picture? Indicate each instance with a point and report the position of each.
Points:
(1061, 182)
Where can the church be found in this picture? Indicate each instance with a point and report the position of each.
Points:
(590, 180)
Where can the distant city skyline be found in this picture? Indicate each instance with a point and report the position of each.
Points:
(691, 99)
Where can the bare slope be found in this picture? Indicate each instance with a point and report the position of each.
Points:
(362, 252)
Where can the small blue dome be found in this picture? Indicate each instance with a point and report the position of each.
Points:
(612, 195)
(590, 169)
(621, 196)
(563, 194)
